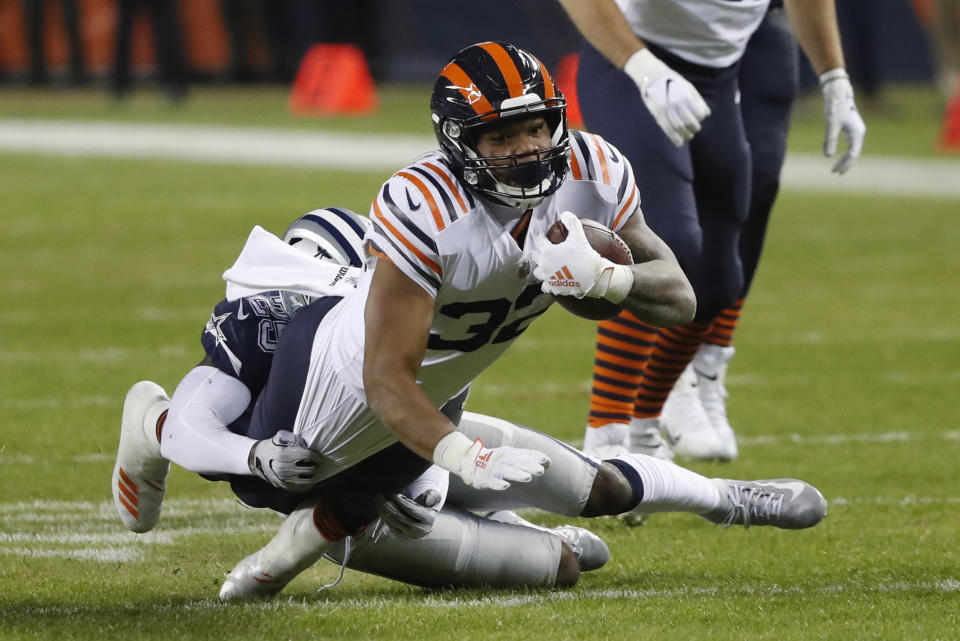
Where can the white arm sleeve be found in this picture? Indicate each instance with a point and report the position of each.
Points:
(195, 435)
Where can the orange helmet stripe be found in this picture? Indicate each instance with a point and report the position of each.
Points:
(547, 83)
(468, 89)
(508, 68)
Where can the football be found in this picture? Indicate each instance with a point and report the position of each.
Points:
(608, 245)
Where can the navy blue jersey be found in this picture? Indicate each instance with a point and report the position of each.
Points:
(241, 336)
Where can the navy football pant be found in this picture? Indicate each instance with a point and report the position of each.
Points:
(768, 86)
(696, 197)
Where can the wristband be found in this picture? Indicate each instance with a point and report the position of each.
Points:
(833, 74)
(452, 449)
(613, 284)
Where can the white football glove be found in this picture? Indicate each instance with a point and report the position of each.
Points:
(574, 268)
(488, 469)
(405, 517)
(675, 104)
(285, 462)
(841, 117)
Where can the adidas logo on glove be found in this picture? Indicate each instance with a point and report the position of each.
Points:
(563, 278)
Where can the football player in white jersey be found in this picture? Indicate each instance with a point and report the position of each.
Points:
(374, 381)
(201, 429)
(659, 78)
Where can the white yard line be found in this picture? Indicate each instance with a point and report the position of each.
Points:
(918, 177)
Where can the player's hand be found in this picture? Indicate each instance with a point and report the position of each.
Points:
(285, 462)
(488, 468)
(405, 517)
(574, 268)
(673, 102)
(841, 117)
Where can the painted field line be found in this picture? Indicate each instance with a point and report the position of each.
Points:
(923, 178)
(511, 600)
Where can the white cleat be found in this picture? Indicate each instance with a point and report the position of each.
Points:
(247, 582)
(686, 424)
(140, 473)
(789, 504)
(607, 441)
(296, 546)
(590, 550)
(647, 438)
(710, 368)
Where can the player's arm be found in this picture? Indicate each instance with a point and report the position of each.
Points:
(654, 288)
(398, 317)
(814, 24)
(660, 293)
(678, 111)
(196, 436)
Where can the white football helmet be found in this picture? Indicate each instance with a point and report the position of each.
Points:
(333, 234)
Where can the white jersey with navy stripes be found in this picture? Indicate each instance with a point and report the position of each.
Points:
(712, 33)
(462, 251)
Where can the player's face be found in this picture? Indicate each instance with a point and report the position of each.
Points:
(515, 137)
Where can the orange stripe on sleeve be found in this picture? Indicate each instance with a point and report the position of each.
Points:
(393, 230)
(626, 208)
(455, 74)
(575, 167)
(443, 175)
(603, 160)
(437, 217)
(507, 67)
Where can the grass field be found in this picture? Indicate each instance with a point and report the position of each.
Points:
(846, 375)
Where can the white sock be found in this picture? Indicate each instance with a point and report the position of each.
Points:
(667, 487)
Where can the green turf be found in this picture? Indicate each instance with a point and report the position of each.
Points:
(846, 375)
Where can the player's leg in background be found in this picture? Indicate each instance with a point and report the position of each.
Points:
(612, 107)
(721, 161)
(768, 87)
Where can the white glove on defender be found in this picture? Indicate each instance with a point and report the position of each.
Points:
(488, 469)
(841, 117)
(675, 104)
(574, 268)
(286, 462)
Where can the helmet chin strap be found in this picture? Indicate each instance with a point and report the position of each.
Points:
(515, 196)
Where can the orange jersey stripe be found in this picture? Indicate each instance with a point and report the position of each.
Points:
(468, 89)
(575, 167)
(603, 160)
(453, 188)
(393, 230)
(437, 218)
(379, 254)
(507, 67)
(626, 208)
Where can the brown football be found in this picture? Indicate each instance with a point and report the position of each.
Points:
(608, 245)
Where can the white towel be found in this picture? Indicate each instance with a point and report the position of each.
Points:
(267, 263)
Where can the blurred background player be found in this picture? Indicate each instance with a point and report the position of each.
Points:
(676, 65)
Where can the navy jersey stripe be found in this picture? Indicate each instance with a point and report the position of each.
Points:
(585, 150)
(464, 192)
(409, 224)
(430, 277)
(447, 202)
